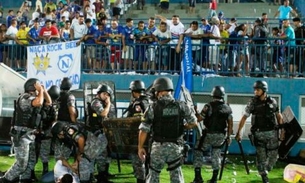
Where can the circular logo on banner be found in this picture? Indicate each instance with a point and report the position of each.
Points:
(65, 62)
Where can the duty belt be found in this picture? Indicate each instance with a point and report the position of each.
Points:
(264, 129)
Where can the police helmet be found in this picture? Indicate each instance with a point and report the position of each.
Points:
(29, 85)
(57, 127)
(105, 88)
(54, 92)
(163, 84)
(261, 85)
(137, 85)
(66, 84)
(218, 91)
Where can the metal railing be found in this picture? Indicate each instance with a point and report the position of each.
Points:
(244, 57)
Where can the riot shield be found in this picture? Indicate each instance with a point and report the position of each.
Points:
(293, 132)
(122, 134)
(90, 93)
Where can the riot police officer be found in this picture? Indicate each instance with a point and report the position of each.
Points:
(218, 122)
(87, 144)
(137, 107)
(44, 138)
(140, 101)
(100, 108)
(166, 119)
(65, 106)
(27, 120)
(265, 118)
(67, 103)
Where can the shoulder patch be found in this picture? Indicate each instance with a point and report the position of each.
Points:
(71, 131)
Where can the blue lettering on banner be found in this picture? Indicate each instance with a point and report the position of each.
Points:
(54, 47)
(186, 76)
(70, 45)
(188, 64)
(75, 79)
(37, 49)
(65, 62)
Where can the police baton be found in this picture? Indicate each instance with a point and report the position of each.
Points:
(243, 156)
(224, 158)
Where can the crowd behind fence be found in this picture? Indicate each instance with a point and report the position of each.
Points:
(244, 58)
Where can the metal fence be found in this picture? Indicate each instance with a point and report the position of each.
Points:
(243, 58)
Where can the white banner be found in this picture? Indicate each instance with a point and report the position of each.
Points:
(52, 62)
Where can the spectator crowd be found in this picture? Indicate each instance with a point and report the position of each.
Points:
(219, 45)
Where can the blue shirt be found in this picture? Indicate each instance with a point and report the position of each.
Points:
(91, 31)
(99, 33)
(139, 33)
(233, 42)
(58, 13)
(118, 30)
(151, 30)
(128, 33)
(76, 8)
(66, 34)
(9, 20)
(206, 29)
(34, 33)
(284, 12)
(289, 32)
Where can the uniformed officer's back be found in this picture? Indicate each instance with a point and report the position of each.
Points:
(67, 102)
(166, 118)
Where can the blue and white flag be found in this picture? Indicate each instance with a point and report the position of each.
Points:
(186, 74)
(51, 62)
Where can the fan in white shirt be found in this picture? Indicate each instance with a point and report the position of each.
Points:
(11, 32)
(195, 30)
(176, 28)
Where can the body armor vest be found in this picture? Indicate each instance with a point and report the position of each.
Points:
(167, 123)
(49, 115)
(263, 114)
(94, 120)
(63, 112)
(92, 144)
(217, 120)
(26, 117)
(138, 107)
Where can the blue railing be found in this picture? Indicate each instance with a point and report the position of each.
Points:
(245, 58)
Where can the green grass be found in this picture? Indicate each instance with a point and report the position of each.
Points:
(125, 176)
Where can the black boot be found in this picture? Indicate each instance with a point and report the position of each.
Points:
(107, 171)
(265, 178)
(102, 177)
(33, 176)
(45, 168)
(198, 177)
(214, 177)
(140, 181)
